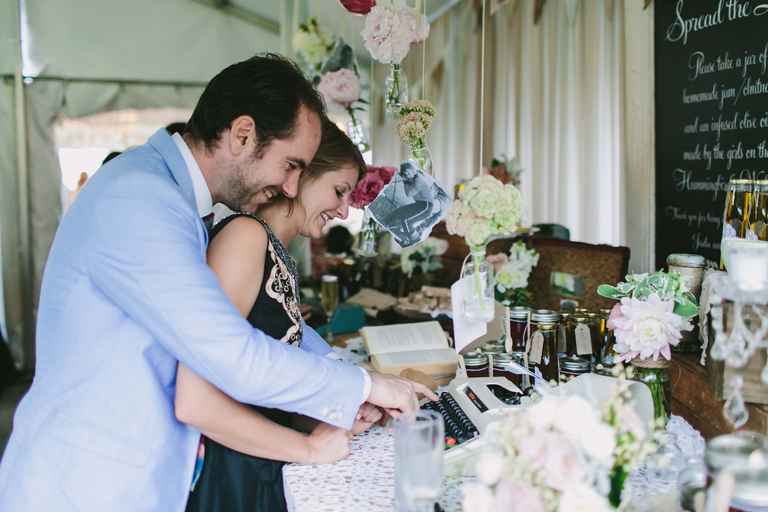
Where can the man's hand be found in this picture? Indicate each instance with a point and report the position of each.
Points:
(395, 394)
(366, 417)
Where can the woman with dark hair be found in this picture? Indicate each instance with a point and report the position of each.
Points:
(244, 447)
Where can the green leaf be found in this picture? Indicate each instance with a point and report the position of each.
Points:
(686, 310)
(609, 292)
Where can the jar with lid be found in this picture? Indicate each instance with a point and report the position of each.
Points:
(607, 354)
(572, 367)
(502, 367)
(691, 270)
(594, 334)
(758, 221)
(493, 347)
(476, 364)
(744, 455)
(518, 328)
(564, 332)
(542, 354)
(580, 340)
(736, 214)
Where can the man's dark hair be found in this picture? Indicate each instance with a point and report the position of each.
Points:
(175, 127)
(338, 240)
(267, 87)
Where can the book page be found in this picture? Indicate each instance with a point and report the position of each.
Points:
(387, 339)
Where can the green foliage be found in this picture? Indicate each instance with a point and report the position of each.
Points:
(667, 285)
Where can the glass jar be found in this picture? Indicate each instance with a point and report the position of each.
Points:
(736, 214)
(564, 331)
(542, 354)
(595, 337)
(502, 367)
(758, 224)
(476, 364)
(572, 367)
(579, 338)
(518, 328)
(607, 354)
(657, 380)
(477, 276)
(745, 455)
(691, 269)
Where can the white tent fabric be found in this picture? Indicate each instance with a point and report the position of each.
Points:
(8, 46)
(562, 83)
(174, 41)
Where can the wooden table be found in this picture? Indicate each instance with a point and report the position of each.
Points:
(694, 400)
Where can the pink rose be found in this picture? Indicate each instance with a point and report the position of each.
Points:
(342, 87)
(358, 6)
(371, 184)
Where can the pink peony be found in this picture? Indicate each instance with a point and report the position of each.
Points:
(390, 31)
(615, 315)
(342, 87)
(647, 329)
(369, 187)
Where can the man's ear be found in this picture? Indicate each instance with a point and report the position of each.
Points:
(241, 130)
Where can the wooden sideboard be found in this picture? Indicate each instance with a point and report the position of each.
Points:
(693, 398)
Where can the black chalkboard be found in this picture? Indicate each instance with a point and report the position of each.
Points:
(711, 58)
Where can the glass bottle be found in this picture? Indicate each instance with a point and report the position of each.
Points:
(518, 328)
(478, 278)
(758, 222)
(607, 354)
(565, 331)
(396, 87)
(595, 335)
(542, 355)
(736, 215)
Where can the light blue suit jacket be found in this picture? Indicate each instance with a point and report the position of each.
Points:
(126, 293)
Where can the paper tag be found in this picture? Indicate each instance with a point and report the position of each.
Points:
(583, 340)
(464, 331)
(537, 346)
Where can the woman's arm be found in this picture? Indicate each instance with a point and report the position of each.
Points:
(237, 257)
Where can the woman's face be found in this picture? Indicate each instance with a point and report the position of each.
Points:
(325, 198)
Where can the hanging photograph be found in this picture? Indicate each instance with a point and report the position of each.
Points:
(410, 205)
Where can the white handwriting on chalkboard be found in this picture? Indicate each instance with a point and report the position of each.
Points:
(725, 10)
(683, 182)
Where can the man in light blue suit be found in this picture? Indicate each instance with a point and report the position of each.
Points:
(127, 293)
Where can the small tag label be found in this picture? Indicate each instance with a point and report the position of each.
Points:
(537, 346)
(583, 340)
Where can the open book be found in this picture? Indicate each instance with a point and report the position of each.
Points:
(421, 346)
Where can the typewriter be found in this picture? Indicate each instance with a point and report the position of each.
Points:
(468, 406)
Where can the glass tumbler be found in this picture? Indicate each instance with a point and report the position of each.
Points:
(419, 444)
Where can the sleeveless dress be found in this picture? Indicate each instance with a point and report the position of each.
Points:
(231, 481)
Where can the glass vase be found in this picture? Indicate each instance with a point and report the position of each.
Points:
(477, 274)
(356, 132)
(420, 152)
(396, 87)
(367, 238)
(655, 375)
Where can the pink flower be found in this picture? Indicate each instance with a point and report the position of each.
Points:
(615, 315)
(647, 329)
(390, 31)
(371, 184)
(342, 87)
(517, 497)
(358, 6)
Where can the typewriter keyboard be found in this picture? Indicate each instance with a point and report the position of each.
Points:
(458, 427)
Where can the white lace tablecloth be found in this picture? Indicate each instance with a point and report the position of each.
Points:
(365, 479)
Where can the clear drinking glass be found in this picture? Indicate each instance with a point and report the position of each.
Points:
(329, 297)
(419, 442)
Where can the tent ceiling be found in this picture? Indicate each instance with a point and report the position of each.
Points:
(159, 41)
(8, 37)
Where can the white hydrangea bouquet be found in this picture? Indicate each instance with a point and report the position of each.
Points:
(424, 257)
(512, 273)
(388, 33)
(561, 455)
(648, 321)
(485, 208)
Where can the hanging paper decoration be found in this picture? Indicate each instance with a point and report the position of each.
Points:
(358, 6)
(388, 34)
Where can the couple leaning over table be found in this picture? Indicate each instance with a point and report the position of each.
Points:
(141, 344)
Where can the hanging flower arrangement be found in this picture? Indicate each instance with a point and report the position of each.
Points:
(388, 34)
(368, 189)
(312, 45)
(413, 125)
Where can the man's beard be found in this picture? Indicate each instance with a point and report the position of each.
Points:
(238, 195)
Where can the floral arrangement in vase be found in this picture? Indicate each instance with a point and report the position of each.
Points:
(424, 257)
(358, 6)
(561, 455)
(367, 189)
(312, 45)
(512, 272)
(648, 321)
(485, 208)
(506, 170)
(415, 120)
(388, 33)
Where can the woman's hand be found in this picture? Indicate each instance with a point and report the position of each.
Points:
(327, 444)
(366, 417)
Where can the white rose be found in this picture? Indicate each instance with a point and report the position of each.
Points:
(582, 498)
(477, 498)
(490, 465)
